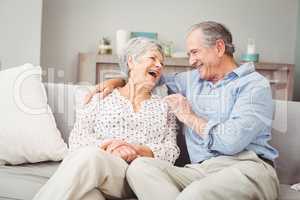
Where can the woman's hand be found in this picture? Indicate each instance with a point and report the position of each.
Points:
(120, 148)
(125, 150)
(104, 88)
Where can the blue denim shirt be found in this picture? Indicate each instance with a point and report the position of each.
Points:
(238, 108)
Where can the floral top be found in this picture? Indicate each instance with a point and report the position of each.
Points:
(113, 117)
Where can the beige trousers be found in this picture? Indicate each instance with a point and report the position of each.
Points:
(87, 174)
(240, 177)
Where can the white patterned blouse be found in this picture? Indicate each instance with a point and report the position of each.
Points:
(113, 117)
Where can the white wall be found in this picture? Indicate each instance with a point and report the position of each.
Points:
(20, 32)
(297, 61)
(72, 26)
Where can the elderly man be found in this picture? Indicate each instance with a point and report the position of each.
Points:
(227, 112)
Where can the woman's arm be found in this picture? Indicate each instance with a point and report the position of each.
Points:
(167, 149)
(83, 133)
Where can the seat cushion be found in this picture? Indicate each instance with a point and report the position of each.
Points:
(286, 193)
(24, 181)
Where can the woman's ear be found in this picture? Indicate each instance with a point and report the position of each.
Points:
(130, 62)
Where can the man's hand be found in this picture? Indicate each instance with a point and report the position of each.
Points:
(183, 111)
(180, 106)
(101, 88)
(104, 88)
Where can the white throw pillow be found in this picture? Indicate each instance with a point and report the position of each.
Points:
(28, 131)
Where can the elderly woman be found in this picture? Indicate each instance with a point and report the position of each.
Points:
(110, 133)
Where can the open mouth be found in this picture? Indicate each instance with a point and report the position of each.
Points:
(153, 73)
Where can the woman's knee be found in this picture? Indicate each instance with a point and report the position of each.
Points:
(88, 154)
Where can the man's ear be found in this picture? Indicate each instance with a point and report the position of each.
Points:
(220, 47)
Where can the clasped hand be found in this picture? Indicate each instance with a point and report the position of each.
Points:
(120, 148)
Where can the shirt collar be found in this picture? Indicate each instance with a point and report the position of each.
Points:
(244, 69)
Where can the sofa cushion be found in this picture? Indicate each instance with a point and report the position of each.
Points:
(285, 138)
(28, 132)
(24, 181)
(62, 99)
(286, 193)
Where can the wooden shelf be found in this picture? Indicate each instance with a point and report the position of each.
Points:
(94, 68)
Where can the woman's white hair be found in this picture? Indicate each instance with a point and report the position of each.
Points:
(136, 48)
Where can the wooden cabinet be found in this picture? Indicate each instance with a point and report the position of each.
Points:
(97, 68)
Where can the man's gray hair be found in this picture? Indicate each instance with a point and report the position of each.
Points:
(136, 48)
(213, 31)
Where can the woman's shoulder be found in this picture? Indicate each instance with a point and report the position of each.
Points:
(91, 106)
(159, 101)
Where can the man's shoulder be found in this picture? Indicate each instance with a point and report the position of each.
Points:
(253, 79)
(188, 76)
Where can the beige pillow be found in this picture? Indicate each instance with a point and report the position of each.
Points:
(28, 131)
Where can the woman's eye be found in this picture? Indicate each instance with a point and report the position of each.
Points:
(152, 58)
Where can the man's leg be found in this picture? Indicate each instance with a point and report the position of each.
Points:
(245, 178)
(152, 179)
(94, 194)
(84, 170)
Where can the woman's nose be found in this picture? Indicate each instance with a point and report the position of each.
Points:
(158, 64)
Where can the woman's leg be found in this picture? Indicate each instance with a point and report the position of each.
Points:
(84, 170)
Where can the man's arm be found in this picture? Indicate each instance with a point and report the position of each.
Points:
(176, 83)
(105, 88)
(251, 114)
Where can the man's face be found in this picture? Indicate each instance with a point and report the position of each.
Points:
(205, 59)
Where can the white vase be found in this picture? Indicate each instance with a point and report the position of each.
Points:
(122, 37)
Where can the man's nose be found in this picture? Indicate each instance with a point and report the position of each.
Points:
(192, 60)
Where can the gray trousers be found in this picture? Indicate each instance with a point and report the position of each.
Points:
(241, 177)
(87, 174)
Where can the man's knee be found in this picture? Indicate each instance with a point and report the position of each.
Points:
(196, 190)
(141, 167)
(138, 165)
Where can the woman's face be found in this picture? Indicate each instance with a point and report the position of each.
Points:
(147, 68)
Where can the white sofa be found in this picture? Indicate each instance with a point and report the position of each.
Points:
(23, 181)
